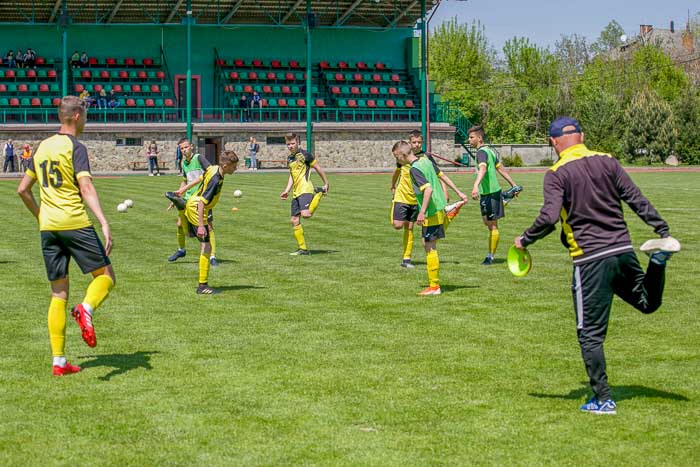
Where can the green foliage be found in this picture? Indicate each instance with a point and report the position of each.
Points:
(687, 113)
(652, 67)
(514, 161)
(649, 128)
(609, 39)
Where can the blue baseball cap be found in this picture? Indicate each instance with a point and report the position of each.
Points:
(556, 129)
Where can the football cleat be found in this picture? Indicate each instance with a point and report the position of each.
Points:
(300, 252)
(68, 369)
(177, 255)
(407, 264)
(204, 289)
(606, 407)
(319, 189)
(488, 261)
(213, 261)
(84, 320)
(453, 209)
(435, 290)
(177, 201)
(511, 193)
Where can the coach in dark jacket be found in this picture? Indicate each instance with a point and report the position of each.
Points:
(585, 190)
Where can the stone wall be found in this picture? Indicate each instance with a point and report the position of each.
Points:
(352, 145)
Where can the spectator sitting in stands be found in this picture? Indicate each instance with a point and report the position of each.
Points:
(85, 96)
(10, 59)
(113, 100)
(75, 60)
(256, 101)
(29, 59)
(19, 58)
(243, 104)
(102, 100)
(84, 60)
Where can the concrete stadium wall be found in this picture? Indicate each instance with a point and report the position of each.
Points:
(358, 145)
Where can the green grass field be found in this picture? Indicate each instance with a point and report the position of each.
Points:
(332, 359)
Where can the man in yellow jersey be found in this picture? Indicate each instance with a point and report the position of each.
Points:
(404, 209)
(487, 189)
(192, 167)
(197, 210)
(61, 166)
(305, 197)
(431, 213)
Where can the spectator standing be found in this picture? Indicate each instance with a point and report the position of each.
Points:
(26, 157)
(29, 59)
(84, 59)
(19, 58)
(9, 151)
(243, 104)
(253, 149)
(152, 154)
(75, 60)
(10, 59)
(178, 160)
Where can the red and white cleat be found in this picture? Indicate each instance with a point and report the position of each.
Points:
(84, 320)
(65, 370)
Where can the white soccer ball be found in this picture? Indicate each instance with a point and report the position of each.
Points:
(122, 207)
(128, 203)
(237, 194)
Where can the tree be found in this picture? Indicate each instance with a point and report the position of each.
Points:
(687, 115)
(609, 39)
(573, 53)
(649, 127)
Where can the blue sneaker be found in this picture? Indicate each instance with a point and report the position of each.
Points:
(606, 407)
(661, 249)
(177, 255)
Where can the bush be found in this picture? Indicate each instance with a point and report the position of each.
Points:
(546, 162)
(515, 161)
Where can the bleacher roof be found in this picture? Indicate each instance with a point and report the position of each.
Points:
(364, 13)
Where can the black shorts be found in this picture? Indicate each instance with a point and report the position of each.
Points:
(404, 212)
(301, 203)
(492, 206)
(83, 245)
(433, 232)
(192, 230)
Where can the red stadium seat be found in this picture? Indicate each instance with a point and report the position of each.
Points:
(43, 87)
(56, 101)
(271, 76)
(78, 87)
(408, 104)
(123, 74)
(130, 102)
(248, 88)
(339, 77)
(233, 75)
(155, 88)
(301, 103)
(371, 103)
(98, 88)
(393, 91)
(104, 74)
(51, 74)
(109, 61)
(379, 66)
(293, 64)
(40, 61)
(282, 102)
(373, 90)
(263, 102)
(117, 88)
(31, 73)
(276, 64)
(361, 66)
(169, 103)
(238, 62)
(150, 103)
(396, 78)
(10, 74)
(267, 89)
(357, 77)
(252, 75)
(355, 90)
(257, 63)
(22, 88)
(3, 87)
(289, 76)
(147, 62)
(324, 65)
(352, 103)
(160, 74)
(36, 102)
(14, 102)
(286, 90)
(320, 103)
(390, 103)
(335, 90)
(376, 77)
(92, 61)
(220, 62)
(343, 65)
(142, 75)
(128, 61)
(85, 74)
(136, 88)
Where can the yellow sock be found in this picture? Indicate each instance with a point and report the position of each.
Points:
(212, 242)
(203, 269)
(315, 201)
(446, 223)
(181, 232)
(407, 243)
(57, 326)
(433, 265)
(299, 235)
(494, 236)
(98, 290)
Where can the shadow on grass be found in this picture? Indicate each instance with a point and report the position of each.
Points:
(8, 262)
(323, 252)
(422, 263)
(120, 362)
(238, 287)
(620, 393)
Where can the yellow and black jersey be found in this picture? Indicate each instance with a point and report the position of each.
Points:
(404, 188)
(208, 193)
(300, 168)
(57, 164)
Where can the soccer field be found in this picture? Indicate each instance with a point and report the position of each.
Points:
(332, 359)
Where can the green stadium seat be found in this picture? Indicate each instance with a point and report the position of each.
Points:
(385, 77)
(238, 88)
(402, 91)
(89, 87)
(33, 88)
(126, 88)
(46, 102)
(276, 90)
(165, 89)
(272, 102)
(151, 75)
(243, 75)
(133, 75)
(21, 73)
(41, 74)
(364, 90)
(53, 87)
(383, 91)
(25, 102)
(114, 74)
(299, 76)
(381, 103)
(4, 102)
(342, 103)
(159, 102)
(140, 103)
(11, 88)
(296, 90)
(2, 74)
(362, 103)
(345, 89)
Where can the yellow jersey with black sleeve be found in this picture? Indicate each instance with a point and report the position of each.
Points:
(300, 165)
(404, 188)
(208, 192)
(57, 164)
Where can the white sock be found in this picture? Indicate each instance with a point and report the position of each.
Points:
(59, 361)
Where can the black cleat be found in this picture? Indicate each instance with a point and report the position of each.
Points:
(177, 255)
(177, 201)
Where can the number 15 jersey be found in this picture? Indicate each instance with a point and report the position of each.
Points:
(57, 164)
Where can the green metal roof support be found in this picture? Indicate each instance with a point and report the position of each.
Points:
(425, 96)
(188, 81)
(309, 122)
(64, 43)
